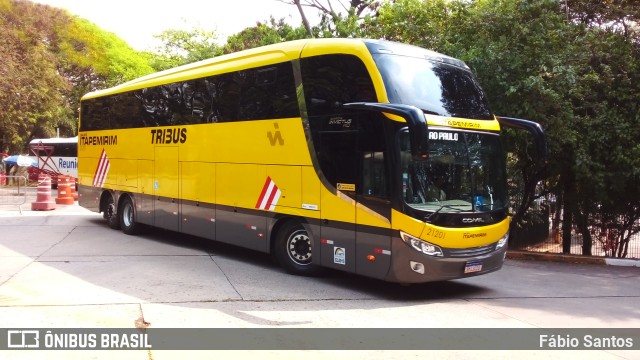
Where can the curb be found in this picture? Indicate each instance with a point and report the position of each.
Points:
(574, 259)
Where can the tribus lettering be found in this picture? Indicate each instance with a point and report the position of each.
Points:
(169, 136)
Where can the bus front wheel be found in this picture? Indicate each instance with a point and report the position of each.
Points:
(127, 217)
(293, 249)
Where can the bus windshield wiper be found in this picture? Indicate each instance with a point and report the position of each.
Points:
(431, 112)
(447, 206)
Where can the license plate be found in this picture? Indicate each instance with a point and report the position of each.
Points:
(472, 267)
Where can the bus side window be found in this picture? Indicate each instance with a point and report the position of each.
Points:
(269, 93)
(354, 153)
(346, 150)
(254, 102)
(338, 157)
(197, 102)
(213, 91)
(266, 92)
(332, 80)
(372, 147)
(228, 97)
(95, 114)
(374, 182)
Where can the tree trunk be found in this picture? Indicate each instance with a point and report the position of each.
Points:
(304, 18)
(587, 241)
(568, 211)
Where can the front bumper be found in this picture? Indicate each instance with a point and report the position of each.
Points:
(410, 266)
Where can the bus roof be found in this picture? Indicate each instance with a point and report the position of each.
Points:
(270, 54)
(265, 55)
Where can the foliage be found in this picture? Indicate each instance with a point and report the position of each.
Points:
(264, 33)
(338, 18)
(429, 24)
(49, 60)
(31, 93)
(181, 47)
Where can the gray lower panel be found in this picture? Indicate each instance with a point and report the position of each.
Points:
(198, 219)
(89, 197)
(166, 213)
(338, 246)
(241, 227)
(144, 208)
(373, 253)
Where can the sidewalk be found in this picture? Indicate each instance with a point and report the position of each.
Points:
(566, 258)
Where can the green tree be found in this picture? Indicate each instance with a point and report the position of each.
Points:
(31, 92)
(266, 33)
(48, 60)
(181, 47)
(608, 162)
(620, 16)
(90, 58)
(338, 18)
(432, 24)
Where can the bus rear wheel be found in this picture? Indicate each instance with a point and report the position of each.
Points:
(109, 212)
(293, 249)
(127, 217)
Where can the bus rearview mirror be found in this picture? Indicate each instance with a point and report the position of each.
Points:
(418, 134)
(542, 147)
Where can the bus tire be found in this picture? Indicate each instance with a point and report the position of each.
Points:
(109, 212)
(293, 250)
(127, 216)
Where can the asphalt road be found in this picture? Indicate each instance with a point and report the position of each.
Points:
(66, 269)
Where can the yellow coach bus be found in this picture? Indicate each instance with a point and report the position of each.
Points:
(367, 156)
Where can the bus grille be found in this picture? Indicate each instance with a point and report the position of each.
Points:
(472, 252)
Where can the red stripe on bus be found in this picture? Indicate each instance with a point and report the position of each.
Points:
(264, 192)
(95, 175)
(272, 195)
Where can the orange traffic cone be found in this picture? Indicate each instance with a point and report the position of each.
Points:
(64, 192)
(72, 187)
(44, 201)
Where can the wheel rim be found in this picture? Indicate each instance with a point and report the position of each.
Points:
(127, 217)
(299, 247)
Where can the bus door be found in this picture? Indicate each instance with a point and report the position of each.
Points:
(166, 188)
(373, 213)
(336, 154)
(351, 152)
(360, 241)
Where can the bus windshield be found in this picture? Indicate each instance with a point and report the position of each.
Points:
(463, 173)
(435, 87)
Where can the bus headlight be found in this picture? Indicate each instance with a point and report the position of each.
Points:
(421, 245)
(503, 241)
